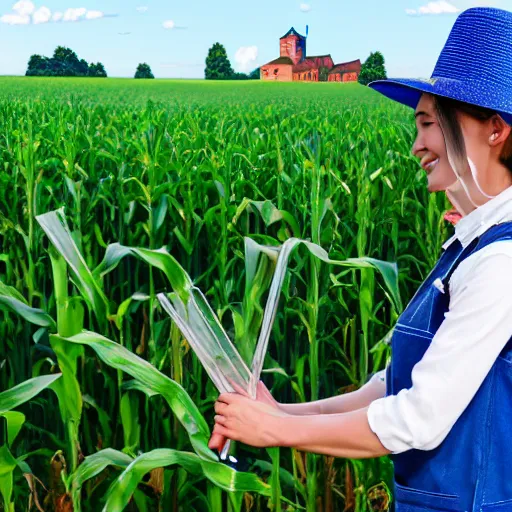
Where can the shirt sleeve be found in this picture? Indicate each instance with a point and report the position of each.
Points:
(475, 330)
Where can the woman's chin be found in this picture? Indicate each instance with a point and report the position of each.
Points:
(435, 185)
(432, 186)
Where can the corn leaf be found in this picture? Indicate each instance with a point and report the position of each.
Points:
(221, 475)
(55, 226)
(25, 391)
(7, 466)
(11, 299)
(180, 402)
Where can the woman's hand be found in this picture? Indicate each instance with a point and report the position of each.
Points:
(251, 421)
(263, 395)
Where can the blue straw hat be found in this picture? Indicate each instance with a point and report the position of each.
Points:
(475, 65)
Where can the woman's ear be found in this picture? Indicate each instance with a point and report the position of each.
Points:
(499, 130)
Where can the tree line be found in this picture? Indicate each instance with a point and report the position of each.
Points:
(65, 62)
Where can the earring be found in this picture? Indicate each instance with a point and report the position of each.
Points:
(493, 136)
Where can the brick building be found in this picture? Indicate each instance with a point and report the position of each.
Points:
(293, 65)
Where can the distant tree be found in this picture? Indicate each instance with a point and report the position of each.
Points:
(66, 56)
(255, 74)
(323, 74)
(375, 60)
(144, 71)
(372, 69)
(218, 66)
(64, 62)
(239, 76)
(37, 65)
(83, 68)
(97, 70)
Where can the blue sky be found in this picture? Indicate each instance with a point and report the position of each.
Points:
(174, 37)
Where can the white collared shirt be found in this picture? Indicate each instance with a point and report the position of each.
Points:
(475, 330)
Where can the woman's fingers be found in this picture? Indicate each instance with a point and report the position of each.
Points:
(220, 419)
(221, 431)
(220, 407)
(216, 441)
(230, 398)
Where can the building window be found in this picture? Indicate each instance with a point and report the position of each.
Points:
(309, 75)
(276, 71)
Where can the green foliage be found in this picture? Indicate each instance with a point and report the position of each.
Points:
(97, 70)
(239, 76)
(64, 62)
(255, 74)
(323, 74)
(144, 71)
(373, 69)
(218, 66)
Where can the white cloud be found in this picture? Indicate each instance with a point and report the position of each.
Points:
(245, 56)
(169, 24)
(25, 13)
(74, 14)
(438, 7)
(142, 8)
(15, 19)
(305, 7)
(94, 15)
(42, 15)
(24, 7)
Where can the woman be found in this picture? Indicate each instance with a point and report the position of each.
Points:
(443, 407)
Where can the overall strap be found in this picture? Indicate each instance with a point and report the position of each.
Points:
(495, 233)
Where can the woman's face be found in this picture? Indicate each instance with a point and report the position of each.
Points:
(430, 147)
(483, 141)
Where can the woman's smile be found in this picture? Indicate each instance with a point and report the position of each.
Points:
(429, 167)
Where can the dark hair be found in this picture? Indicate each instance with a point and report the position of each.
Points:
(446, 109)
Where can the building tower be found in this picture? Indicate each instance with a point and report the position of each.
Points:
(293, 46)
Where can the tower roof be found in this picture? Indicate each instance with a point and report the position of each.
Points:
(292, 32)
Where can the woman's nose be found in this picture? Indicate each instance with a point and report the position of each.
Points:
(417, 146)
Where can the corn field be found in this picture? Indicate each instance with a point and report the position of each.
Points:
(104, 185)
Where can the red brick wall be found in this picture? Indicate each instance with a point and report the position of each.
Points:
(350, 77)
(288, 48)
(284, 73)
(343, 77)
(324, 62)
(303, 76)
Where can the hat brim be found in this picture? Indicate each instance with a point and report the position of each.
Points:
(403, 90)
(408, 92)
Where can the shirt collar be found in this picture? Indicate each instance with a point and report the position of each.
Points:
(498, 209)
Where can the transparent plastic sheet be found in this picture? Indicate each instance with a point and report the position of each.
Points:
(205, 334)
(212, 346)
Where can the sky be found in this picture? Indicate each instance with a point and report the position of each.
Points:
(174, 37)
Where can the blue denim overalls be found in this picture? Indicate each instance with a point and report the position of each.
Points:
(471, 470)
